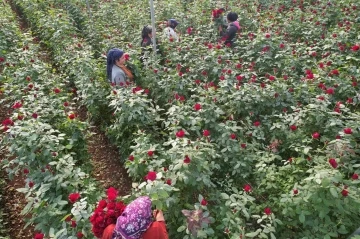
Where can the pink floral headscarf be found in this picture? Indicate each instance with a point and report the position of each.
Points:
(135, 219)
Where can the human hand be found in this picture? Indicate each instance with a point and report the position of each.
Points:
(158, 215)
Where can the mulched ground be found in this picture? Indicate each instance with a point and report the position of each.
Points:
(105, 158)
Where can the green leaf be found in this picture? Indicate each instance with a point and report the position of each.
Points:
(181, 228)
(224, 196)
(302, 218)
(334, 192)
(253, 234)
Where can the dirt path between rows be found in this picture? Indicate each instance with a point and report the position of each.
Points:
(105, 159)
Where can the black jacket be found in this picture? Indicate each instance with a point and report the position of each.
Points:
(228, 37)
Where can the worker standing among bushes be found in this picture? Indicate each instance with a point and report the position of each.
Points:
(117, 73)
(228, 37)
(170, 32)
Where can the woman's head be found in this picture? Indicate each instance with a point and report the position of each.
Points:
(146, 32)
(172, 23)
(138, 214)
(114, 57)
(232, 17)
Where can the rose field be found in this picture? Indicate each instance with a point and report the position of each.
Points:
(261, 140)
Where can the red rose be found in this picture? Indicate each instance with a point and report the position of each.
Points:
(272, 78)
(345, 192)
(295, 191)
(247, 188)
(80, 235)
(239, 77)
(34, 115)
(168, 182)
(111, 193)
(66, 104)
(68, 218)
(26, 171)
(335, 72)
(355, 48)
(293, 127)
(31, 184)
(73, 223)
(187, 160)
(151, 176)
(197, 107)
(150, 153)
(256, 123)
(285, 77)
(204, 202)
(126, 56)
(355, 176)
(206, 133)
(197, 82)
(282, 45)
(349, 100)
(73, 197)
(333, 163)
(330, 91)
(131, 158)
(267, 35)
(17, 105)
(267, 211)
(71, 116)
(338, 137)
(243, 146)
(233, 136)
(57, 90)
(348, 131)
(316, 135)
(180, 133)
(7, 122)
(39, 236)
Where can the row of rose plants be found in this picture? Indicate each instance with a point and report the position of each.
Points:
(44, 139)
(7, 35)
(266, 133)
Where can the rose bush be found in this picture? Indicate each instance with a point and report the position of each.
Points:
(270, 113)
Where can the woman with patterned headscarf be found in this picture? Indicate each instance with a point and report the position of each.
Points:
(136, 222)
(117, 73)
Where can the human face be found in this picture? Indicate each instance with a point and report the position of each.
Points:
(121, 61)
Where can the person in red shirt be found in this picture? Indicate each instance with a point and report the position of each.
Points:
(136, 222)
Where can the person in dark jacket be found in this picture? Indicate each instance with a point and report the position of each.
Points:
(147, 43)
(146, 36)
(228, 37)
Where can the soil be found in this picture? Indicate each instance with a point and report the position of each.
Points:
(105, 158)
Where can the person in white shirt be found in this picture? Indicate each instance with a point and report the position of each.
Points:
(169, 31)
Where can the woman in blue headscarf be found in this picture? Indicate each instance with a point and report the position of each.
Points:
(117, 73)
